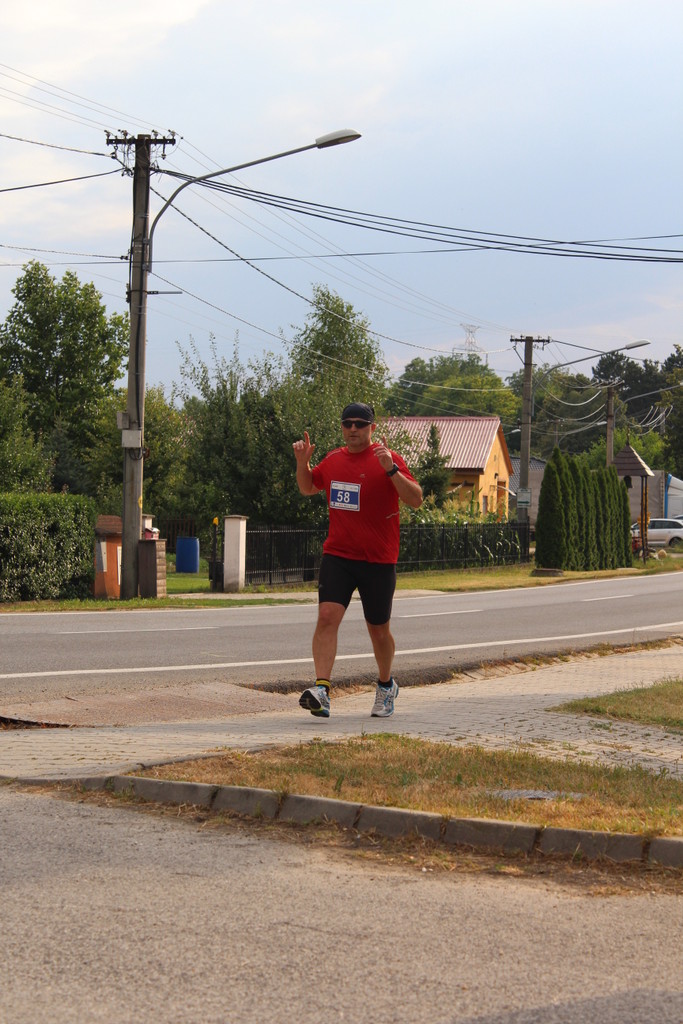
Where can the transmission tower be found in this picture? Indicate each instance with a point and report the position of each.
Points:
(470, 340)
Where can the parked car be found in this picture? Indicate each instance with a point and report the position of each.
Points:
(664, 533)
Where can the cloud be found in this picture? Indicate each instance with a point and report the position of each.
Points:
(57, 42)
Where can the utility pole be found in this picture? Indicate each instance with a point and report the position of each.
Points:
(132, 421)
(610, 425)
(525, 438)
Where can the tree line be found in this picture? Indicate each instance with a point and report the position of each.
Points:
(220, 441)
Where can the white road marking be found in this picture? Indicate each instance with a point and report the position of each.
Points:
(341, 657)
(613, 597)
(142, 629)
(433, 615)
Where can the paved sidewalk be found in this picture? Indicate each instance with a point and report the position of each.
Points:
(497, 712)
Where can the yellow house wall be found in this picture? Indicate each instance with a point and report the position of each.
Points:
(494, 480)
(493, 483)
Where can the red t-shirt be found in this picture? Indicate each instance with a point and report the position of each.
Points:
(363, 505)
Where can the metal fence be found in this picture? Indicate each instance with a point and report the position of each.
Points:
(171, 529)
(283, 554)
(287, 554)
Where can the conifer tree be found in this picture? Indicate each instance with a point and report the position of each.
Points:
(591, 558)
(551, 531)
(605, 521)
(570, 512)
(581, 512)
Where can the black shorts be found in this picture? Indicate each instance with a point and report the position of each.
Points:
(375, 582)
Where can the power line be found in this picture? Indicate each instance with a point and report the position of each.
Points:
(460, 239)
(332, 359)
(60, 181)
(52, 145)
(60, 252)
(65, 95)
(293, 291)
(440, 311)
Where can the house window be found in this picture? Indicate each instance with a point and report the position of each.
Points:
(484, 503)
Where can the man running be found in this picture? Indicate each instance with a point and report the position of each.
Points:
(363, 481)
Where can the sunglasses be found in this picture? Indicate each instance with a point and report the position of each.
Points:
(358, 424)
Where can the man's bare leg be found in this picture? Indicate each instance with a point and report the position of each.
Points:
(384, 646)
(330, 615)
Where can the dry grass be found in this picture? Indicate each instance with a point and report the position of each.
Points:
(661, 704)
(454, 781)
(507, 576)
(411, 853)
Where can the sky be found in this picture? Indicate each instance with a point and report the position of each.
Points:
(549, 119)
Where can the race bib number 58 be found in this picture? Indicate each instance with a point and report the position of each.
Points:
(345, 496)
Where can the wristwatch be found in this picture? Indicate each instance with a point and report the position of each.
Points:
(394, 469)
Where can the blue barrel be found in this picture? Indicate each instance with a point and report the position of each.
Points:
(187, 554)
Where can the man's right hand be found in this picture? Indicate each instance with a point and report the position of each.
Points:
(304, 474)
(303, 450)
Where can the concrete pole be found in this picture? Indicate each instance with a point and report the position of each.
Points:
(609, 458)
(525, 436)
(132, 433)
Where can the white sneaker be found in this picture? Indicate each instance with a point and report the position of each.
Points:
(316, 699)
(384, 700)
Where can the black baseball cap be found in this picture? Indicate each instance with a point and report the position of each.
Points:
(358, 411)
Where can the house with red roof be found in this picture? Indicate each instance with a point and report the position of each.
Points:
(475, 450)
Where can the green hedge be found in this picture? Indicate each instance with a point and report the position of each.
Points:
(46, 546)
(583, 519)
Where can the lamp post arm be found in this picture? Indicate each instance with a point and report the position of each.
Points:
(323, 142)
(584, 359)
(215, 174)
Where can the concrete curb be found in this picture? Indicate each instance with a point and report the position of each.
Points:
(477, 833)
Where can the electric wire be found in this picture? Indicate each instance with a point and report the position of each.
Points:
(562, 401)
(577, 419)
(293, 291)
(52, 145)
(65, 95)
(331, 359)
(60, 181)
(452, 238)
(439, 310)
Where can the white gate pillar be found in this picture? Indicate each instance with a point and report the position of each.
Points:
(234, 553)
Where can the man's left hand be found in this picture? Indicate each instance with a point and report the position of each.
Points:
(383, 453)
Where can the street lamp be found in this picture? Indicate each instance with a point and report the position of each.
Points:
(583, 359)
(324, 142)
(131, 422)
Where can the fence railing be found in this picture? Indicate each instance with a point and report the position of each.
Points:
(171, 529)
(286, 554)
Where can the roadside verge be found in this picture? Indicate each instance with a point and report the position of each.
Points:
(482, 834)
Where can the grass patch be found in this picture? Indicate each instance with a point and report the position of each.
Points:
(509, 576)
(661, 704)
(187, 582)
(399, 771)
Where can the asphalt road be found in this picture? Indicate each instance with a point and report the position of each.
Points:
(112, 915)
(54, 655)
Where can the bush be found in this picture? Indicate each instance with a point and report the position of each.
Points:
(46, 546)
